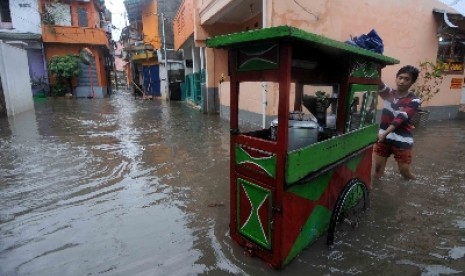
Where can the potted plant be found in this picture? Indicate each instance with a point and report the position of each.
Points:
(39, 83)
(426, 87)
(64, 68)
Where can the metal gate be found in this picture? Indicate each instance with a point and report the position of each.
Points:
(152, 80)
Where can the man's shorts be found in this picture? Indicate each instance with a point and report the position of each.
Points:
(401, 155)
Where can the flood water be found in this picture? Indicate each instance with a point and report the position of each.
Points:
(121, 186)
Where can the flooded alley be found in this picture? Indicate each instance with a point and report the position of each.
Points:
(119, 186)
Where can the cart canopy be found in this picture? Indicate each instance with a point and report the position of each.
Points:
(293, 34)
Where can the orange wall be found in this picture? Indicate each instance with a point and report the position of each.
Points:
(74, 35)
(183, 25)
(93, 16)
(150, 25)
(92, 34)
(58, 49)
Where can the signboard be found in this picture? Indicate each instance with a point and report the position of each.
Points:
(453, 67)
(456, 83)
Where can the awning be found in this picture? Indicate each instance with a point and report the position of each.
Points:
(458, 5)
(450, 24)
(134, 8)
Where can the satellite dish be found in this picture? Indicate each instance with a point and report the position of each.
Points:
(86, 56)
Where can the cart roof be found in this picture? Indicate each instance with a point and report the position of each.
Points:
(288, 33)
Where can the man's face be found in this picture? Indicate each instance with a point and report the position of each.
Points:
(403, 82)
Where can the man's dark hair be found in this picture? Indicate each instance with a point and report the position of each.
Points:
(409, 69)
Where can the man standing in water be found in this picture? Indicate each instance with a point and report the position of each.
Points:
(395, 133)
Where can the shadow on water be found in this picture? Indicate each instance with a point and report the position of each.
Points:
(130, 187)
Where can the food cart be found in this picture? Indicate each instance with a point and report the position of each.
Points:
(308, 172)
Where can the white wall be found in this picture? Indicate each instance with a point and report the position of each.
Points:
(163, 81)
(25, 17)
(16, 83)
(188, 55)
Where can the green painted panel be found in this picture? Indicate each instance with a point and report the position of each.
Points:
(253, 228)
(313, 189)
(257, 64)
(353, 163)
(268, 164)
(314, 157)
(363, 69)
(193, 88)
(264, 56)
(294, 34)
(315, 226)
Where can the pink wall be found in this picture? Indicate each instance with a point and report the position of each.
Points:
(408, 29)
(119, 62)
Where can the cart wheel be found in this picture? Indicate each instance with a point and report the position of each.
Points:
(346, 214)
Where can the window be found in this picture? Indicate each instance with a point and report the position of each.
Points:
(5, 15)
(452, 53)
(362, 108)
(82, 18)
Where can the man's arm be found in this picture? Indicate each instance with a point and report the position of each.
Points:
(382, 136)
(383, 90)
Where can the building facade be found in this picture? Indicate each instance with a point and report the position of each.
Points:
(20, 26)
(69, 26)
(435, 34)
(153, 65)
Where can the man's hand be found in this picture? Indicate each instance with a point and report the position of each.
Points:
(381, 137)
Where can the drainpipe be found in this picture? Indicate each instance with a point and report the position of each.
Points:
(202, 68)
(264, 13)
(264, 103)
(168, 96)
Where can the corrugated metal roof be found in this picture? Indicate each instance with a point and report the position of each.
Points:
(134, 8)
(20, 36)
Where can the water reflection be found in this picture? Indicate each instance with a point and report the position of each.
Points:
(130, 187)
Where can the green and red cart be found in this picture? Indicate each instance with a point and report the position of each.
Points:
(282, 197)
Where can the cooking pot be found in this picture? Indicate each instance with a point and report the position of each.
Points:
(301, 133)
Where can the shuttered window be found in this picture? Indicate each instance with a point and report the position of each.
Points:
(82, 18)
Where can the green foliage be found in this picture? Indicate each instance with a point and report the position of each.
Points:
(66, 66)
(430, 78)
(59, 89)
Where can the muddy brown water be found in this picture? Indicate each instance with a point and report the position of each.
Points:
(130, 187)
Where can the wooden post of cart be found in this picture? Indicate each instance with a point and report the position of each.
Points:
(308, 173)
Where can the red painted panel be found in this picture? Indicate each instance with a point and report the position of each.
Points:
(264, 215)
(297, 210)
(245, 207)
